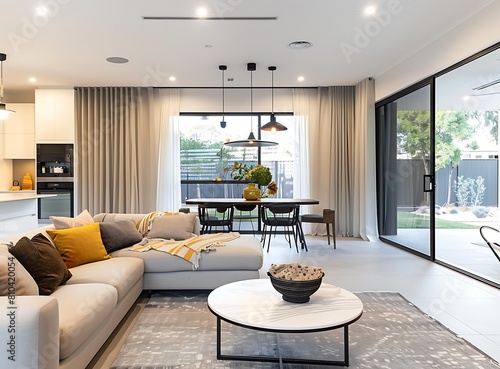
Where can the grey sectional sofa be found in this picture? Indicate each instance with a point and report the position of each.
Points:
(67, 328)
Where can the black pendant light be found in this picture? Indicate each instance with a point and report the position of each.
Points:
(251, 141)
(4, 112)
(223, 123)
(273, 125)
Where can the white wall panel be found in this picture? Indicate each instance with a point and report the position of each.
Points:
(478, 32)
(236, 100)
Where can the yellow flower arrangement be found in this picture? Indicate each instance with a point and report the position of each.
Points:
(259, 174)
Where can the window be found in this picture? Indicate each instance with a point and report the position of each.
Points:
(206, 163)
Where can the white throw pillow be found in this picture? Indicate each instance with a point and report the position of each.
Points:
(12, 270)
(81, 219)
(177, 226)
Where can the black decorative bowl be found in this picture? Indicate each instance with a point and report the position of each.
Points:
(295, 291)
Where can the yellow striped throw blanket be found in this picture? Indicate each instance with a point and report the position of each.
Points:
(144, 225)
(189, 249)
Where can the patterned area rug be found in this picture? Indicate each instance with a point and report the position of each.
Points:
(176, 330)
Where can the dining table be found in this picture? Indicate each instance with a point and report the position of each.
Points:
(260, 202)
(242, 201)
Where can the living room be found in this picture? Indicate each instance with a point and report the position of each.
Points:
(474, 32)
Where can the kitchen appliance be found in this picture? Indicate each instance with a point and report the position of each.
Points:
(15, 186)
(54, 160)
(61, 205)
(54, 171)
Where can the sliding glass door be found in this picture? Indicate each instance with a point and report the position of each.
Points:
(438, 168)
(467, 112)
(405, 171)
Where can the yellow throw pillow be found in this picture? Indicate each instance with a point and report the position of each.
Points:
(79, 245)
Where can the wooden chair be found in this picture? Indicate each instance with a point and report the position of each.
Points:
(328, 218)
(215, 215)
(492, 238)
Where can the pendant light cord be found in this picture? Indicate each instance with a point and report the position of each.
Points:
(272, 92)
(1, 81)
(223, 95)
(251, 100)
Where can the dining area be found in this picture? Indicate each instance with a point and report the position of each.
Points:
(267, 217)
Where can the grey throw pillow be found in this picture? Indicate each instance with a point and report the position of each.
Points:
(177, 226)
(119, 234)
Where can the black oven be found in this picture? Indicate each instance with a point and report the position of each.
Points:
(61, 205)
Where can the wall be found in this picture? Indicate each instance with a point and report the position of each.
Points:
(236, 100)
(5, 164)
(475, 34)
(22, 166)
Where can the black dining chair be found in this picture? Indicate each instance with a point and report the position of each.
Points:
(285, 216)
(216, 216)
(245, 213)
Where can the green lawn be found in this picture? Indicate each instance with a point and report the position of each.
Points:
(410, 220)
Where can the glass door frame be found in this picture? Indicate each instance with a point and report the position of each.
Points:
(420, 85)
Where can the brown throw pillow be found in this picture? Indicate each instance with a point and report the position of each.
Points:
(119, 234)
(42, 260)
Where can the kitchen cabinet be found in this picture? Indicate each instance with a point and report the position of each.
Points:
(18, 212)
(19, 132)
(55, 115)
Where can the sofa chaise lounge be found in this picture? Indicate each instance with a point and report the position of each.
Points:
(68, 327)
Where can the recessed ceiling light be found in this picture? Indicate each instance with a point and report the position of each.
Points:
(32, 79)
(299, 45)
(117, 60)
(466, 97)
(202, 12)
(301, 79)
(171, 78)
(370, 10)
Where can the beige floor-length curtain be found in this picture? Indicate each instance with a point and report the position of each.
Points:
(116, 149)
(169, 171)
(365, 169)
(336, 164)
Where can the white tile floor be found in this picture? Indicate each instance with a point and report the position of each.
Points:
(466, 306)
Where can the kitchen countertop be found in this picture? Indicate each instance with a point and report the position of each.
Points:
(19, 196)
(19, 191)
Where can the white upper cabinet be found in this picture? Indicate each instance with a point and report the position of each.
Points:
(19, 132)
(55, 115)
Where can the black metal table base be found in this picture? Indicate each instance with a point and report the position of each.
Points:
(279, 359)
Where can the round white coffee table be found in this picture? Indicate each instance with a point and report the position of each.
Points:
(255, 304)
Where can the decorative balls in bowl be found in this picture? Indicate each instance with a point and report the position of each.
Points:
(295, 282)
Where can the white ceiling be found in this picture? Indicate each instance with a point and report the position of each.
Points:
(69, 46)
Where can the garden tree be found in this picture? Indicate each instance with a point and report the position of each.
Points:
(452, 129)
(221, 154)
(489, 118)
(413, 134)
(224, 155)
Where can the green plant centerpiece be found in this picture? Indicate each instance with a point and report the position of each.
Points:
(255, 175)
